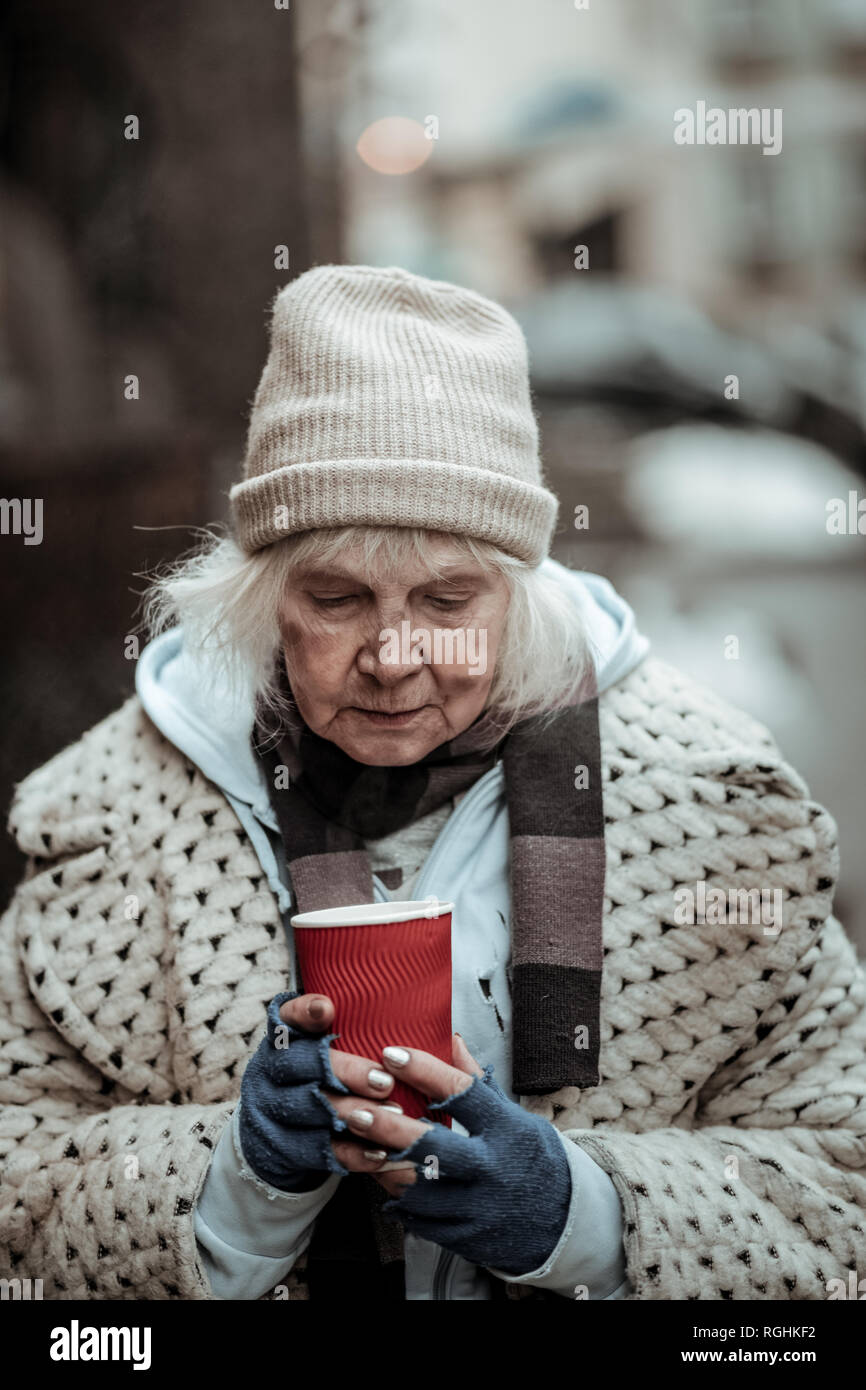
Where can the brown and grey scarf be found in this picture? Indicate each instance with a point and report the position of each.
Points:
(332, 804)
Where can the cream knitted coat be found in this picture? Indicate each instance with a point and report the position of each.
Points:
(140, 950)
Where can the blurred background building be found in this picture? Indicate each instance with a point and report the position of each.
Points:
(696, 314)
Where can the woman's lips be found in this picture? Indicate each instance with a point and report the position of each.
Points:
(389, 721)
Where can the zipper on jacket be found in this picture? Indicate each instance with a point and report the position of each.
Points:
(444, 1261)
(445, 1258)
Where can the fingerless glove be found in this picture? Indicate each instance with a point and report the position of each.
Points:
(500, 1196)
(286, 1121)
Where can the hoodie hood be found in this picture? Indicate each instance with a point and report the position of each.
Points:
(213, 729)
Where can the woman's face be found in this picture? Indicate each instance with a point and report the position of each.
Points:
(390, 669)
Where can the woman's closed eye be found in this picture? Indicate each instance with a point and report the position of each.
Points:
(447, 605)
(333, 600)
(442, 604)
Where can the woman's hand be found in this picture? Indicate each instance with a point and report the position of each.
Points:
(432, 1077)
(289, 1093)
(499, 1195)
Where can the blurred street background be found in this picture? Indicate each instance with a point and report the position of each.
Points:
(696, 314)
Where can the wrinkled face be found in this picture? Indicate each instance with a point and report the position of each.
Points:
(388, 667)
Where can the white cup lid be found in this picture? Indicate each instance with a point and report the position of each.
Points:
(373, 914)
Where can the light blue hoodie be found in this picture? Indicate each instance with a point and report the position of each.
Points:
(250, 1234)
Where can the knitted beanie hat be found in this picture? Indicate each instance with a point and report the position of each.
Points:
(388, 399)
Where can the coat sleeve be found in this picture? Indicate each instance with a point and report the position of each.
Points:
(250, 1234)
(759, 1190)
(98, 1188)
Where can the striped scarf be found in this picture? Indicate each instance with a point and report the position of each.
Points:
(552, 765)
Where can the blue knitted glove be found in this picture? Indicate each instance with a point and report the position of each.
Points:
(285, 1121)
(500, 1196)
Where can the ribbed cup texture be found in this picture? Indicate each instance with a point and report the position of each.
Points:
(391, 399)
(390, 984)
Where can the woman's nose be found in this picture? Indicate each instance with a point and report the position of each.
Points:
(387, 653)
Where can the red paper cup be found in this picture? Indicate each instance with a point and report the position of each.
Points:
(387, 969)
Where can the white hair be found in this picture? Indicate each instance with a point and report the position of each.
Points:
(228, 604)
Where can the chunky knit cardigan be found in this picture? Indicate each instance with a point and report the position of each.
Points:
(140, 950)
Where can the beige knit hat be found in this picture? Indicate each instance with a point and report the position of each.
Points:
(391, 400)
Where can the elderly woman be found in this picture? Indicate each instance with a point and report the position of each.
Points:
(378, 688)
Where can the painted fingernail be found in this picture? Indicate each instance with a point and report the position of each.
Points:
(392, 1105)
(378, 1078)
(397, 1056)
(362, 1117)
(375, 1155)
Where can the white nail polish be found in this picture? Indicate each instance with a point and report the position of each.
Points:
(362, 1117)
(379, 1078)
(396, 1055)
